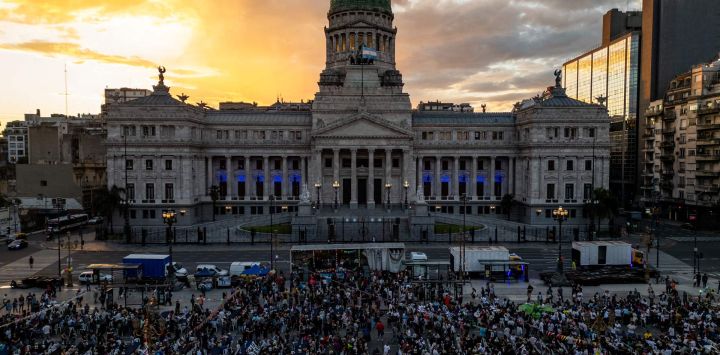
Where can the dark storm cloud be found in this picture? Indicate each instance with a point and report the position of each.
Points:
(442, 43)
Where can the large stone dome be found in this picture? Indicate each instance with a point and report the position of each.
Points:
(345, 5)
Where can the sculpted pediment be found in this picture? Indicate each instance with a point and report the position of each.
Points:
(363, 125)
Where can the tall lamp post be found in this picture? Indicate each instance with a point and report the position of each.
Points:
(560, 215)
(388, 186)
(169, 218)
(272, 226)
(318, 185)
(406, 185)
(336, 186)
(464, 199)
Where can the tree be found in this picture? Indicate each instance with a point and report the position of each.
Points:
(109, 200)
(603, 205)
(507, 203)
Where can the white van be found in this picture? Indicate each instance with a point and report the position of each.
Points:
(237, 267)
(212, 268)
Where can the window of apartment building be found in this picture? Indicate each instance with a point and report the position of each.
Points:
(462, 135)
(480, 135)
(167, 131)
(168, 164)
(149, 191)
(587, 192)
(497, 136)
(129, 164)
(275, 135)
(129, 131)
(148, 164)
(588, 165)
(552, 132)
(591, 132)
(683, 138)
(445, 136)
(569, 191)
(682, 153)
(427, 136)
(551, 165)
(148, 131)
(570, 165)
(260, 135)
(550, 191)
(43, 182)
(130, 191)
(570, 132)
(169, 192)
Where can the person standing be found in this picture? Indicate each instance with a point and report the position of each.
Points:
(529, 293)
(31, 261)
(705, 280)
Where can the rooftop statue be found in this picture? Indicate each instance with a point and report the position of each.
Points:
(558, 77)
(161, 70)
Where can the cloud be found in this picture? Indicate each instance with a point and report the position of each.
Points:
(76, 52)
(62, 11)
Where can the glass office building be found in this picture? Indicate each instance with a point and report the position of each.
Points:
(612, 72)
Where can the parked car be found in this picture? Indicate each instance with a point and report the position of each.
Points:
(96, 220)
(18, 244)
(13, 237)
(86, 277)
(212, 269)
(180, 271)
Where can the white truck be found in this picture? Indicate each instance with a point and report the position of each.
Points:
(478, 257)
(602, 253)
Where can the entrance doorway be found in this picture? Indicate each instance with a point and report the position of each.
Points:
(378, 191)
(346, 191)
(362, 191)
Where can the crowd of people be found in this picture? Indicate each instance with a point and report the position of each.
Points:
(379, 313)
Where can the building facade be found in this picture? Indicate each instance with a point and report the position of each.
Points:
(681, 143)
(16, 134)
(357, 145)
(609, 75)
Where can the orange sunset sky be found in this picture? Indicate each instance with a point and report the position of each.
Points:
(479, 51)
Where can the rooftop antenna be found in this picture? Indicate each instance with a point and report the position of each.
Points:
(66, 92)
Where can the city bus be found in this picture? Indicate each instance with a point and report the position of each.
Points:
(66, 223)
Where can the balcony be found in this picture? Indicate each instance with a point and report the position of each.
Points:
(707, 157)
(669, 131)
(706, 174)
(708, 141)
(669, 116)
(666, 185)
(710, 126)
(709, 110)
(713, 189)
(667, 145)
(668, 157)
(668, 173)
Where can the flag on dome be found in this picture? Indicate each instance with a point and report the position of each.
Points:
(369, 53)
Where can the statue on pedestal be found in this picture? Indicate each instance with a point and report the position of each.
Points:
(305, 194)
(420, 195)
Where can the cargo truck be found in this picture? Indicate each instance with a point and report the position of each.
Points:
(154, 266)
(478, 258)
(604, 253)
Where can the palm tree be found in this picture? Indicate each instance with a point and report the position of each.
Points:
(109, 200)
(507, 203)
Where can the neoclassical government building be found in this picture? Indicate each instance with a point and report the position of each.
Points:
(359, 143)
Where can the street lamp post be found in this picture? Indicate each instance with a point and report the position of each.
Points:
(169, 218)
(560, 215)
(406, 185)
(464, 199)
(388, 186)
(318, 185)
(336, 186)
(272, 210)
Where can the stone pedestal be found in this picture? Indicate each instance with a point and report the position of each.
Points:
(422, 224)
(304, 225)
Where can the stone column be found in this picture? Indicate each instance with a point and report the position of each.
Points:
(230, 175)
(473, 175)
(437, 186)
(371, 178)
(248, 177)
(268, 179)
(456, 177)
(419, 172)
(285, 181)
(408, 176)
(209, 168)
(492, 178)
(388, 173)
(336, 165)
(353, 177)
(303, 173)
